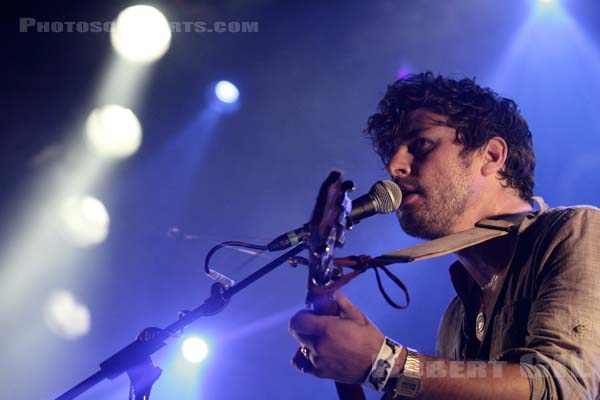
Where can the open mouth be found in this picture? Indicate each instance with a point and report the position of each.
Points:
(410, 192)
(410, 197)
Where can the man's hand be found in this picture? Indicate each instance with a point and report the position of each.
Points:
(339, 347)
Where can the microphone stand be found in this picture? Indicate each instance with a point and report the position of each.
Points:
(134, 359)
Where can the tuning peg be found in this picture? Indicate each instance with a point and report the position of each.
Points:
(297, 260)
(348, 186)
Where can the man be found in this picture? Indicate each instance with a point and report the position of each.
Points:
(527, 303)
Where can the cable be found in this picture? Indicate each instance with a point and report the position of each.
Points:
(218, 247)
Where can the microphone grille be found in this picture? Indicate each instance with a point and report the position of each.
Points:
(388, 196)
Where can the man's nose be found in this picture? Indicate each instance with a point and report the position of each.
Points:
(400, 163)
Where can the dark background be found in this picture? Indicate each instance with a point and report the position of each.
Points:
(309, 79)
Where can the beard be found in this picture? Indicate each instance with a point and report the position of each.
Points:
(442, 203)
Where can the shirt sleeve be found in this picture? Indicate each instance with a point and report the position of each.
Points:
(561, 356)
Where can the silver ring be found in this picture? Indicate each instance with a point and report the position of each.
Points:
(306, 353)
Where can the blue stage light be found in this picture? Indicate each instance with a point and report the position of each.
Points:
(194, 349)
(227, 92)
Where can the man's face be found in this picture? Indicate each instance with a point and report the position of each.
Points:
(436, 181)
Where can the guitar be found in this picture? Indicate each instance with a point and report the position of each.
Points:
(327, 228)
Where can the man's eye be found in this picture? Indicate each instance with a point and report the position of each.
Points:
(420, 146)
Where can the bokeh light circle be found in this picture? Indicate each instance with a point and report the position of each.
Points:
(113, 131)
(141, 34)
(65, 316)
(85, 220)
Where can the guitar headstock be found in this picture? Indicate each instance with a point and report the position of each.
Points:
(327, 228)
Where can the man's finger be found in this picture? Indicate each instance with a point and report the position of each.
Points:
(308, 324)
(305, 341)
(347, 309)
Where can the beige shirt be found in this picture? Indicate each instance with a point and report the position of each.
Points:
(547, 313)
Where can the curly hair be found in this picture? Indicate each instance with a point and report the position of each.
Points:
(477, 114)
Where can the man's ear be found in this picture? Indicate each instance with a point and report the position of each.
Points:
(494, 156)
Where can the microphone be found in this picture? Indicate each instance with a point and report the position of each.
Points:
(383, 198)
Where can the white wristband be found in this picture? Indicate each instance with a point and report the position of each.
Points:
(383, 364)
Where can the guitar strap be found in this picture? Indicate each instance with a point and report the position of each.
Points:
(483, 231)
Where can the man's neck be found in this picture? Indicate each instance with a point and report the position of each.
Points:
(487, 261)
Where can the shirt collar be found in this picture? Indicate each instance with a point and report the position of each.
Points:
(463, 282)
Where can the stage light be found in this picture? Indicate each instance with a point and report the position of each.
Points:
(194, 349)
(65, 316)
(141, 34)
(85, 220)
(227, 92)
(113, 132)
(403, 72)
